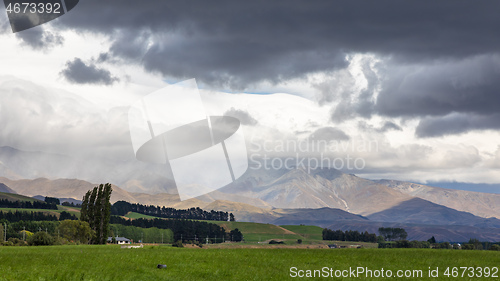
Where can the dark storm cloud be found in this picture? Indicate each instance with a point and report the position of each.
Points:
(78, 72)
(242, 115)
(390, 126)
(452, 97)
(456, 124)
(236, 43)
(439, 57)
(329, 134)
(469, 86)
(40, 39)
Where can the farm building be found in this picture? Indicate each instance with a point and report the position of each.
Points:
(119, 240)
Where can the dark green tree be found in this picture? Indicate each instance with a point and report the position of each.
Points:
(432, 240)
(52, 200)
(67, 216)
(236, 235)
(392, 234)
(83, 211)
(41, 238)
(75, 231)
(96, 210)
(476, 244)
(178, 244)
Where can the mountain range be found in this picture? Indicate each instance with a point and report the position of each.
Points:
(322, 197)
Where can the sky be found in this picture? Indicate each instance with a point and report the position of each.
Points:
(418, 78)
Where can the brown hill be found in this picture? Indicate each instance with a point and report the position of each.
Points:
(480, 204)
(61, 188)
(76, 189)
(244, 212)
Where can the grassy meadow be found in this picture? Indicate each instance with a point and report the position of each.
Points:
(134, 215)
(56, 213)
(16, 197)
(310, 232)
(113, 263)
(259, 232)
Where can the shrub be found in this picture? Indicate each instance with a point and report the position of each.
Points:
(420, 244)
(495, 247)
(402, 244)
(198, 243)
(276, 242)
(41, 239)
(444, 245)
(76, 231)
(7, 243)
(467, 247)
(17, 242)
(178, 244)
(387, 244)
(299, 241)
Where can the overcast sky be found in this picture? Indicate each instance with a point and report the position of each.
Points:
(419, 77)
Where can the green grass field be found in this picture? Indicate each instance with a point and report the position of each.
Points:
(307, 231)
(114, 263)
(255, 232)
(51, 212)
(133, 215)
(16, 197)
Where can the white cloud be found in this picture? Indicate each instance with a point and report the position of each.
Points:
(50, 114)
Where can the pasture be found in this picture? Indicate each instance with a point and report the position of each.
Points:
(113, 263)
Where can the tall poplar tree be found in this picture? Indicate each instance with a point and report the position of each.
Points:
(96, 210)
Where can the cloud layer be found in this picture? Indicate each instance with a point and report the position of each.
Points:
(235, 44)
(413, 76)
(77, 71)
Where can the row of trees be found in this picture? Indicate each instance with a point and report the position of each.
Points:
(35, 216)
(121, 208)
(349, 235)
(184, 230)
(96, 211)
(15, 229)
(71, 204)
(146, 235)
(5, 203)
(404, 244)
(52, 200)
(49, 233)
(392, 233)
(473, 244)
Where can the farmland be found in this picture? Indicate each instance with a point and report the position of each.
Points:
(15, 197)
(113, 263)
(258, 232)
(133, 215)
(71, 210)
